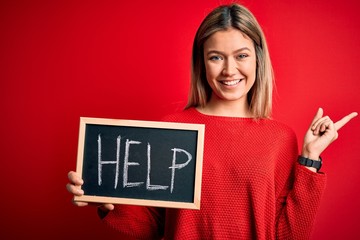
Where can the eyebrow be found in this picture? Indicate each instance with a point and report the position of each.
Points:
(219, 52)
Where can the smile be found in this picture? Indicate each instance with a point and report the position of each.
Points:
(231, 83)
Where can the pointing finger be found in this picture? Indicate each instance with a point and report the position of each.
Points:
(339, 124)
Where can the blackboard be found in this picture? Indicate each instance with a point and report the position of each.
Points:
(144, 163)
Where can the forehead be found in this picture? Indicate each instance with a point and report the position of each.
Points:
(230, 39)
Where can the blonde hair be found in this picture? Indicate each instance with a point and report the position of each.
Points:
(238, 17)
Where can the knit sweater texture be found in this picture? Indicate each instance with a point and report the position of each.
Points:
(252, 187)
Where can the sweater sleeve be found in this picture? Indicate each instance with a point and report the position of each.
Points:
(136, 222)
(298, 204)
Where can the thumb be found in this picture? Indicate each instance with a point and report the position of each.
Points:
(317, 116)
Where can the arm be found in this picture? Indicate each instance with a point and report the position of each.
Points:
(299, 201)
(298, 204)
(137, 222)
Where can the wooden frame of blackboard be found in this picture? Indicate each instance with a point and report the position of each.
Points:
(199, 129)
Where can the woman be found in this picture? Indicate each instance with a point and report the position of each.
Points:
(254, 184)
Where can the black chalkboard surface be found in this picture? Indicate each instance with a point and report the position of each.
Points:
(143, 163)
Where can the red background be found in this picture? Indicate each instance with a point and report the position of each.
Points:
(60, 60)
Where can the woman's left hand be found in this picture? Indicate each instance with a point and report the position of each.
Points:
(321, 133)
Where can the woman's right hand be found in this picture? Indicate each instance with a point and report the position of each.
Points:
(74, 187)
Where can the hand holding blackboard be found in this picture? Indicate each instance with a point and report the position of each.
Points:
(139, 163)
(74, 187)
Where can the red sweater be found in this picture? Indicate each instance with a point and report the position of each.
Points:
(252, 187)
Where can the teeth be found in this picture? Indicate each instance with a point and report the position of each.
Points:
(231, 83)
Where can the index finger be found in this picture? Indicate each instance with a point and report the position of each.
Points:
(339, 124)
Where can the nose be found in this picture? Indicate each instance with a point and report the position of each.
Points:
(230, 67)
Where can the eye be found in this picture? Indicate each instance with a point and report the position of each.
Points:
(243, 55)
(215, 58)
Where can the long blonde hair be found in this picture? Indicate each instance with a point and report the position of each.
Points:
(238, 17)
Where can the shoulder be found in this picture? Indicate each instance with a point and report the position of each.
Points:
(280, 126)
(280, 131)
(285, 147)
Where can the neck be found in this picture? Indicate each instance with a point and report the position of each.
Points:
(226, 108)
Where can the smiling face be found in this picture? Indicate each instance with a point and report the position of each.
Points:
(230, 63)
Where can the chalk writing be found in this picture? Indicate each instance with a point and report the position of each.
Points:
(148, 185)
(178, 166)
(128, 163)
